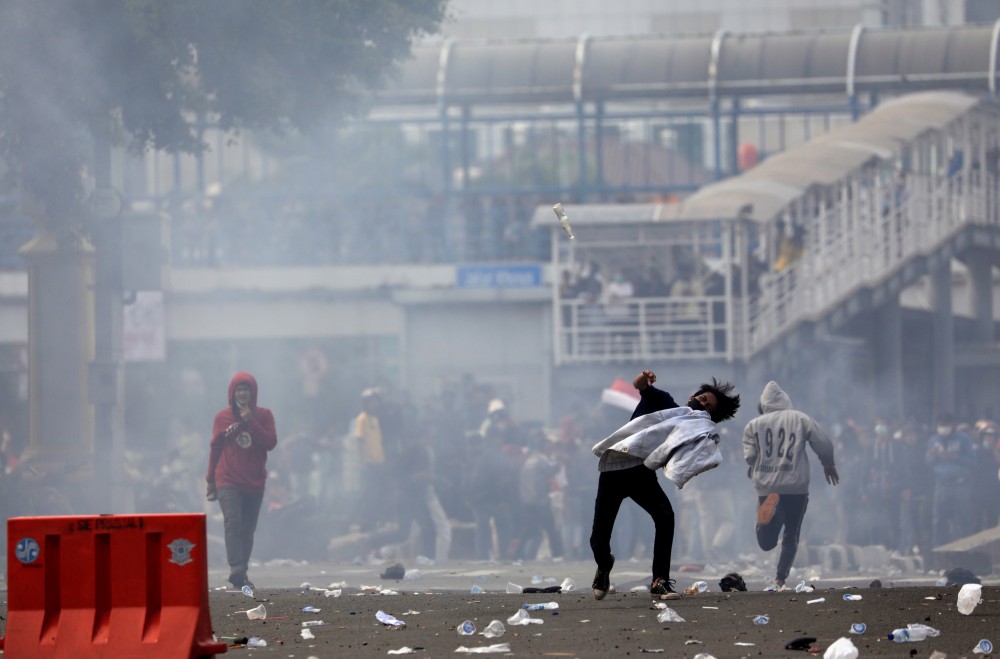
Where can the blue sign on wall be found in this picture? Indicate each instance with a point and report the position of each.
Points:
(498, 276)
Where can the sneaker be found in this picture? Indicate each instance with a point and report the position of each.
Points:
(765, 512)
(602, 580)
(664, 589)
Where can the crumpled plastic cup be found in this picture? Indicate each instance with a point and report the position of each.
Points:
(842, 648)
(969, 597)
(513, 588)
(257, 613)
(568, 585)
(494, 630)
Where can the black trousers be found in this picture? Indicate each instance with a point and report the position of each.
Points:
(639, 484)
(789, 513)
(240, 511)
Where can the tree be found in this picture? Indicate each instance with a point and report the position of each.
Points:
(75, 73)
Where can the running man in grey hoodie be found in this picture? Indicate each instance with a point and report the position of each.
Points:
(774, 447)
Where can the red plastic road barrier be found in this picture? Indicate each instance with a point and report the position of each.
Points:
(108, 586)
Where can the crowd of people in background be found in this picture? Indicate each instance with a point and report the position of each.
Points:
(457, 475)
(460, 477)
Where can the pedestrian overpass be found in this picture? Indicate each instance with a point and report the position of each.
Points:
(813, 247)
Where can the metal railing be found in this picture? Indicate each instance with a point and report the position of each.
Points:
(857, 243)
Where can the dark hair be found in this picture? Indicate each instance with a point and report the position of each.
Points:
(726, 402)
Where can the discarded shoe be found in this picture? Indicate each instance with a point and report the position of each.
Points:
(664, 589)
(765, 512)
(602, 580)
(732, 581)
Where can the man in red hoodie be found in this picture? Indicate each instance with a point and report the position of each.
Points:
(242, 435)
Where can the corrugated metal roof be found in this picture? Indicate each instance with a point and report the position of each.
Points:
(767, 189)
(774, 183)
(663, 66)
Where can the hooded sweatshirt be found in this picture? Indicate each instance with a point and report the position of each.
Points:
(239, 448)
(774, 445)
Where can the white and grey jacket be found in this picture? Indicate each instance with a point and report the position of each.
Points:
(681, 441)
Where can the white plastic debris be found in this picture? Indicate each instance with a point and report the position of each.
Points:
(969, 598)
(387, 619)
(669, 615)
(842, 648)
(522, 618)
(307, 634)
(514, 589)
(568, 585)
(818, 600)
(489, 649)
(494, 630)
(257, 613)
(403, 650)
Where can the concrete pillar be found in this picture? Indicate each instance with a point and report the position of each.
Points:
(980, 265)
(60, 345)
(887, 349)
(943, 338)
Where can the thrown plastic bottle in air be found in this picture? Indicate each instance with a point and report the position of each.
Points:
(563, 220)
(540, 607)
(969, 597)
(494, 630)
(913, 632)
(467, 628)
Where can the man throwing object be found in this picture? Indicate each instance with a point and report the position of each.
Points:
(683, 441)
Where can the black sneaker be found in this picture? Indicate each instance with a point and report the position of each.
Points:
(663, 589)
(602, 580)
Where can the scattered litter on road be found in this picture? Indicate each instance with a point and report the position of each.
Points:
(489, 649)
(386, 619)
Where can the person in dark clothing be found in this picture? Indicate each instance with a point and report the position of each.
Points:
(242, 435)
(681, 440)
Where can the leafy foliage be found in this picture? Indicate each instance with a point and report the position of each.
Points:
(79, 73)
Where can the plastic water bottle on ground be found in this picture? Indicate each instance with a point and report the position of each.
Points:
(914, 632)
(540, 607)
(704, 655)
(256, 642)
(969, 597)
(467, 628)
(851, 598)
(696, 587)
